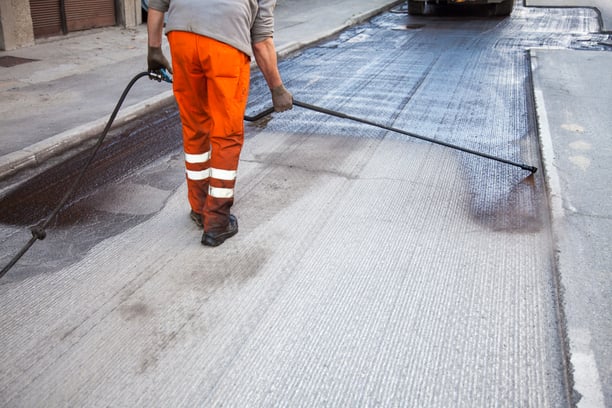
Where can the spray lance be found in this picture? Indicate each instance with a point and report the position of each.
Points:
(341, 115)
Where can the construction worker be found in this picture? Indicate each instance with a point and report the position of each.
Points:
(211, 44)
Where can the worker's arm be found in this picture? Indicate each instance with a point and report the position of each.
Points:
(155, 27)
(265, 56)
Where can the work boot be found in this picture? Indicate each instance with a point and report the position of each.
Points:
(197, 218)
(217, 238)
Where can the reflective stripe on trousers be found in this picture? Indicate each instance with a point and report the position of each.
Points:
(211, 83)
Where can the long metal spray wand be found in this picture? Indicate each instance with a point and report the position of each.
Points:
(403, 132)
(330, 112)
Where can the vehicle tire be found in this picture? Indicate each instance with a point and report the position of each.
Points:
(502, 9)
(416, 8)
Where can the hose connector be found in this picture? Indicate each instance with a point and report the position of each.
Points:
(38, 232)
(160, 75)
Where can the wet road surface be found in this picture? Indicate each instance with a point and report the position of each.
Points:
(446, 260)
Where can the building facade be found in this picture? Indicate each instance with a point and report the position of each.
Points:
(24, 21)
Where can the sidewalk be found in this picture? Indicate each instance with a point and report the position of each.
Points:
(67, 93)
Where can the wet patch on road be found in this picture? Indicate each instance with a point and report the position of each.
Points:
(125, 185)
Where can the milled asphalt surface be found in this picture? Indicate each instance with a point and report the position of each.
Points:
(83, 75)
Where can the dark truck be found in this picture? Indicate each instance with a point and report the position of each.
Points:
(496, 7)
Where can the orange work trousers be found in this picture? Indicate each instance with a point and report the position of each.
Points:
(211, 86)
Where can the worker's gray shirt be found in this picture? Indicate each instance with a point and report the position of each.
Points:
(239, 23)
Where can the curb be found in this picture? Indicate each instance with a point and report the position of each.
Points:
(42, 151)
(553, 190)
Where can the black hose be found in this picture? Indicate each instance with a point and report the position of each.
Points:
(38, 231)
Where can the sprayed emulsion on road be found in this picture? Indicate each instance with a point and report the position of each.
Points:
(462, 82)
(370, 268)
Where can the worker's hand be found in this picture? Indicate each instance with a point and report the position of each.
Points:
(281, 99)
(157, 61)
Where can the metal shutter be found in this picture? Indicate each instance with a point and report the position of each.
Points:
(84, 14)
(46, 17)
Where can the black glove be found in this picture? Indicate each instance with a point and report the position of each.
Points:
(281, 99)
(156, 60)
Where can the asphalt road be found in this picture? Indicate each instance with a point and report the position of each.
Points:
(371, 268)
